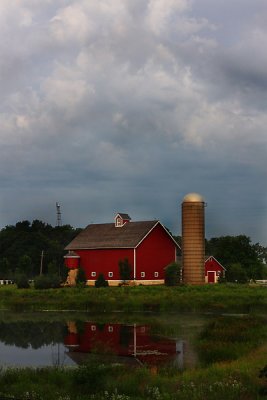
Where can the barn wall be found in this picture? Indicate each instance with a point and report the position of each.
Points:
(212, 265)
(104, 261)
(155, 252)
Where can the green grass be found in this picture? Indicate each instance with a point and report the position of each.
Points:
(208, 298)
(223, 374)
(226, 380)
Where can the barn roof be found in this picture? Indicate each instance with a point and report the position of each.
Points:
(212, 257)
(107, 236)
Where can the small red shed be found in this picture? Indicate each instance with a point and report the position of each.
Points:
(213, 270)
(147, 245)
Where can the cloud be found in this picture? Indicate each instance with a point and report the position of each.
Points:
(108, 105)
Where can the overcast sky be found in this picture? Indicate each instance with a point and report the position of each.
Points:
(127, 105)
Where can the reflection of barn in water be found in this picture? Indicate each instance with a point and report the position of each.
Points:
(131, 344)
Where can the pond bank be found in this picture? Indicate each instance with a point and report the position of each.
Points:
(209, 298)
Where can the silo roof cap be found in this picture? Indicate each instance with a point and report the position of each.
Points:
(193, 198)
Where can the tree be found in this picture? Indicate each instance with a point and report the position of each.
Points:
(239, 250)
(235, 273)
(31, 239)
(4, 268)
(100, 281)
(81, 277)
(52, 268)
(22, 282)
(172, 274)
(125, 270)
(25, 265)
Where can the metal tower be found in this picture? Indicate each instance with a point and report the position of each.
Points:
(59, 222)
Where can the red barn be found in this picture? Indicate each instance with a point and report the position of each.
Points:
(213, 270)
(147, 246)
(134, 341)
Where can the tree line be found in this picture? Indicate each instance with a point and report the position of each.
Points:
(31, 248)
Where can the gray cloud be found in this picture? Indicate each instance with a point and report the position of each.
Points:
(128, 106)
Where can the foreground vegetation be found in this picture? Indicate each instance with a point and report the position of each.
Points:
(225, 374)
(232, 350)
(207, 298)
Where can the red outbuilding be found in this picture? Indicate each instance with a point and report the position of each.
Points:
(213, 270)
(147, 245)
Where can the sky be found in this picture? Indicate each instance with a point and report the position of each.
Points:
(127, 105)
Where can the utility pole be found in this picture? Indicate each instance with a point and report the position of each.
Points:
(41, 264)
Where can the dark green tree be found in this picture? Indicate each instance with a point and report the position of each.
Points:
(22, 282)
(235, 273)
(25, 265)
(125, 270)
(100, 281)
(4, 268)
(239, 250)
(81, 277)
(32, 239)
(173, 274)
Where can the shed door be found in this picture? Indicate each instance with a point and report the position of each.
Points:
(211, 276)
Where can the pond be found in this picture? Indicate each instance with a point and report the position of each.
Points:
(50, 339)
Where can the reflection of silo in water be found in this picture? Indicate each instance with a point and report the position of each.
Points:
(193, 239)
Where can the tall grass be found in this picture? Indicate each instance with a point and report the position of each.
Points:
(208, 298)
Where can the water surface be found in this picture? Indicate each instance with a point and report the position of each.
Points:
(51, 340)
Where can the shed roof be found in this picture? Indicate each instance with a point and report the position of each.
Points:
(108, 236)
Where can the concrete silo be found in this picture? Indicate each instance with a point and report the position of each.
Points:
(193, 239)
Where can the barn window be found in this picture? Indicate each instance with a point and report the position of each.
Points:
(156, 274)
(110, 328)
(93, 328)
(143, 274)
(110, 274)
(93, 273)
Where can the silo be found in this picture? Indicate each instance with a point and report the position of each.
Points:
(193, 239)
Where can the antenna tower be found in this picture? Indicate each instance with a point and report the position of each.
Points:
(59, 221)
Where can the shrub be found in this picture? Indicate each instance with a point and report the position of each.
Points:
(47, 282)
(81, 277)
(22, 282)
(101, 282)
(125, 270)
(172, 274)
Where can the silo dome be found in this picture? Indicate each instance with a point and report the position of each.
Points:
(193, 198)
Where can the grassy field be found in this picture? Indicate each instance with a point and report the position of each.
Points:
(232, 350)
(208, 298)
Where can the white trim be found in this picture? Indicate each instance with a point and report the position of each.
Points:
(154, 226)
(134, 264)
(214, 276)
(210, 257)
